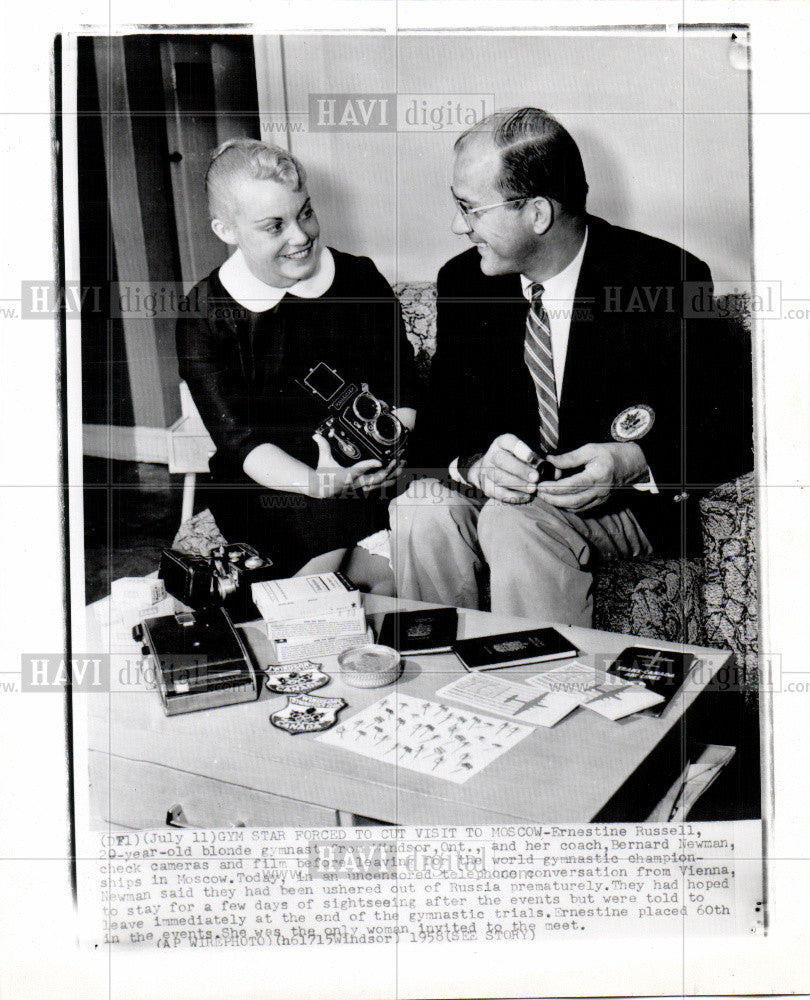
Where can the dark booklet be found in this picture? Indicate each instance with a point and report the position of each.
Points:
(512, 648)
(660, 670)
(431, 631)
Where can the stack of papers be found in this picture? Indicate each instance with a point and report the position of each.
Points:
(307, 616)
(305, 596)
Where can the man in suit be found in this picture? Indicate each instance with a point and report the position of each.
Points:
(561, 337)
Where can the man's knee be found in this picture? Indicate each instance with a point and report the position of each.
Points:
(536, 526)
(426, 505)
(501, 524)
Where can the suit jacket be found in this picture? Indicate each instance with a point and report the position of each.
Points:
(640, 333)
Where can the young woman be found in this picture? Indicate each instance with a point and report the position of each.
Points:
(281, 305)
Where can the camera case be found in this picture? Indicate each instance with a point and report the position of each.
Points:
(359, 426)
(199, 659)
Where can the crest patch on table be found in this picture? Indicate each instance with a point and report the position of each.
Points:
(633, 423)
(306, 713)
(297, 678)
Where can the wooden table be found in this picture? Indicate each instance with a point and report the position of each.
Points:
(230, 766)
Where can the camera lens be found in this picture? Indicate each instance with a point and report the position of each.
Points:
(386, 428)
(366, 407)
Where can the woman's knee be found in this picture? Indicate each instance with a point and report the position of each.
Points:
(370, 572)
(327, 562)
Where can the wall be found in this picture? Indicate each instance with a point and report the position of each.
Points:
(662, 123)
(151, 108)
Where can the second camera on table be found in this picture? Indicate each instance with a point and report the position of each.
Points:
(222, 579)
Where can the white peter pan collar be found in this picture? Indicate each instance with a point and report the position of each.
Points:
(257, 296)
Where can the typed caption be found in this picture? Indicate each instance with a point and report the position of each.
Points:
(175, 888)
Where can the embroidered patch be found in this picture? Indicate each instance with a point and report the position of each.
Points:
(632, 423)
(306, 713)
(298, 678)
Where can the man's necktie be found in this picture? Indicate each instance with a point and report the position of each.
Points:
(540, 362)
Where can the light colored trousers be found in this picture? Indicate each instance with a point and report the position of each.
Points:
(539, 557)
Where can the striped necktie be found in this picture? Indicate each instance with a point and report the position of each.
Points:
(540, 362)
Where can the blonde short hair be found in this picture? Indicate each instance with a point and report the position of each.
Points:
(237, 158)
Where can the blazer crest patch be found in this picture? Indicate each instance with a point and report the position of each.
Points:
(633, 423)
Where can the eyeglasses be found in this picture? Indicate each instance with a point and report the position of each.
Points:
(469, 214)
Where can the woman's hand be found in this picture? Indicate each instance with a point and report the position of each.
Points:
(333, 480)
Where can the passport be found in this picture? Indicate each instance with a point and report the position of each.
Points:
(433, 630)
(513, 648)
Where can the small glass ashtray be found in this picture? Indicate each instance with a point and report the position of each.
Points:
(370, 666)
